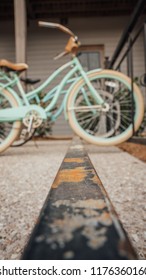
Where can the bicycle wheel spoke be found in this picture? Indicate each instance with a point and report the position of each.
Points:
(104, 123)
(87, 120)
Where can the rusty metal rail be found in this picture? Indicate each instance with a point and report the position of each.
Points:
(78, 220)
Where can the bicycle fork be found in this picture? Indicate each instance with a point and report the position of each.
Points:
(100, 103)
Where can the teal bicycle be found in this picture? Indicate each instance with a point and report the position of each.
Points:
(97, 104)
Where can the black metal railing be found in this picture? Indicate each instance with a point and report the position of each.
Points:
(124, 49)
(129, 28)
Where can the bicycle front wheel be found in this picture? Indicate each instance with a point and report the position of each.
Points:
(97, 125)
(8, 130)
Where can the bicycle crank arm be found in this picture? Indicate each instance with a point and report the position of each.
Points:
(19, 113)
(102, 107)
(30, 124)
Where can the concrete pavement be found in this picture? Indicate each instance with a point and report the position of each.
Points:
(26, 176)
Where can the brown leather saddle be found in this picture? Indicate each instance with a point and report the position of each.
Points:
(9, 66)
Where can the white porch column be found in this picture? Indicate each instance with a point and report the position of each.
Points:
(20, 19)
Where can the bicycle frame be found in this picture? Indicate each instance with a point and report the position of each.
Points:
(24, 99)
(91, 100)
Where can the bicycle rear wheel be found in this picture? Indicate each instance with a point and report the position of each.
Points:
(8, 130)
(110, 127)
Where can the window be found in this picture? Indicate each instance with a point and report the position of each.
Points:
(91, 56)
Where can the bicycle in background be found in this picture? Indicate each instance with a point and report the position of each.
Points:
(97, 104)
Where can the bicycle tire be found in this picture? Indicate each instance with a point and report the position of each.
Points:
(113, 85)
(8, 130)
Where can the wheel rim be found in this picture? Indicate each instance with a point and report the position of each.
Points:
(119, 87)
(5, 127)
(98, 123)
(8, 130)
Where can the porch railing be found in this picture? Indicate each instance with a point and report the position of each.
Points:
(124, 49)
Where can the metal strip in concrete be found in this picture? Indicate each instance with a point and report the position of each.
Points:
(78, 220)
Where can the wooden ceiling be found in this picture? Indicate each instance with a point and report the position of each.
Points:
(45, 9)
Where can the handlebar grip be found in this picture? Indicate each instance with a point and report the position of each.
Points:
(48, 24)
(56, 25)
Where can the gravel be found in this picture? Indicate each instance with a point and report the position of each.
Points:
(124, 178)
(26, 176)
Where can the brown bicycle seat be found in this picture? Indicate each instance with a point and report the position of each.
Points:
(19, 67)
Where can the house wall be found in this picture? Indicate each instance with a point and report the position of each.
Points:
(44, 43)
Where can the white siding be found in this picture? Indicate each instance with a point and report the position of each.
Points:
(44, 43)
(7, 41)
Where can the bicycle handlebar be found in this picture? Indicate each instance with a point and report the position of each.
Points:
(73, 43)
(57, 25)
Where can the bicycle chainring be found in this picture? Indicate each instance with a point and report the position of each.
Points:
(34, 117)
